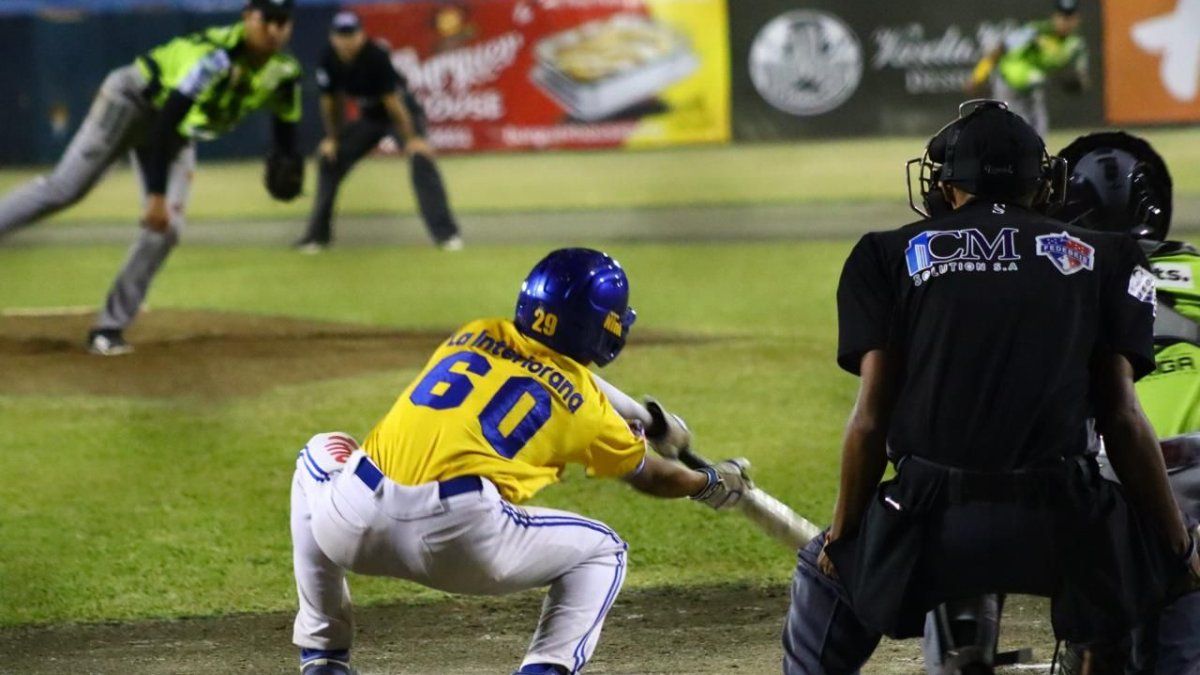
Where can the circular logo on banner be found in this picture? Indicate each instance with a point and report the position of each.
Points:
(806, 62)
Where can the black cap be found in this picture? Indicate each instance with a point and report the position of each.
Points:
(1066, 6)
(281, 8)
(989, 152)
(346, 23)
(1118, 183)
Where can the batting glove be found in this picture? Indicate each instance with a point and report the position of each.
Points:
(667, 433)
(727, 482)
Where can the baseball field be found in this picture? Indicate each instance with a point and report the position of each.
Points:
(143, 519)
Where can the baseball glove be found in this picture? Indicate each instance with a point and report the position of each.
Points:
(284, 175)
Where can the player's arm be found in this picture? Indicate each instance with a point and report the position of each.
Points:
(661, 478)
(1133, 448)
(403, 122)
(284, 175)
(983, 69)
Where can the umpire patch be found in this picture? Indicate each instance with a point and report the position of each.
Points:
(1069, 254)
(1141, 285)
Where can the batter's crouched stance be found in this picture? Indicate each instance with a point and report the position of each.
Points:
(354, 65)
(989, 339)
(194, 87)
(500, 409)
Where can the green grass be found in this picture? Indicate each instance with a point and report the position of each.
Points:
(118, 508)
(804, 172)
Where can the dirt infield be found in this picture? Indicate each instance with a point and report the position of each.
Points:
(678, 631)
(208, 354)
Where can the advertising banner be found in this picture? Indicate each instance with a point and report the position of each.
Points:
(830, 67)
(521, 74)
(1152, 48)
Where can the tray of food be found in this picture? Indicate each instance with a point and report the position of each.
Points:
(602, 67)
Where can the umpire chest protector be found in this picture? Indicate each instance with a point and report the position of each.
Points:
(992, 315)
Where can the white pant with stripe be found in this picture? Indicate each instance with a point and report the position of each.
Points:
(474, 543)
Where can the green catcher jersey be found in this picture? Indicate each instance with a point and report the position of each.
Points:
(1036, 50)
(1171, 394)
(211, 68)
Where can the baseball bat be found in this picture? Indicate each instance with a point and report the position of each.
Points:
(771, 516)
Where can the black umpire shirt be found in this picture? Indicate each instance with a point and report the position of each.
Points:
(368, 78)
(993, 315)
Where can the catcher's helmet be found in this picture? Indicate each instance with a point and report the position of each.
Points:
(576, 301)
(1118, 183)
(989, 152)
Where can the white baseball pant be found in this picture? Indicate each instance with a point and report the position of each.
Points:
(474, 543)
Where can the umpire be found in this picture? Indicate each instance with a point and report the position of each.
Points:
(353, 64)
(992, 342)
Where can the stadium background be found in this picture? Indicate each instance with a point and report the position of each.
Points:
(144, 509)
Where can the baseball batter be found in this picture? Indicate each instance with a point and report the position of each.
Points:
(353, 65)
(192, 88)
(1020, 68)
(495, 416)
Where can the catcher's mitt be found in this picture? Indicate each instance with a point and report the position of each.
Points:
(284, 175)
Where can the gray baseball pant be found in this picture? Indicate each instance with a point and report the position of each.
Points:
(116, 123)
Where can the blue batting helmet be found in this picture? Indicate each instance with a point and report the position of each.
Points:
(576, 301)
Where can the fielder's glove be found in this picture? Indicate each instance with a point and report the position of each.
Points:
(284, 175)
(727, 482)
(667, 433)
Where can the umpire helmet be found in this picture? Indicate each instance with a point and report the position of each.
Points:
(1118, 183)
(989, 152)
(576, 301)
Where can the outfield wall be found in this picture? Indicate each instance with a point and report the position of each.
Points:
(532, 74)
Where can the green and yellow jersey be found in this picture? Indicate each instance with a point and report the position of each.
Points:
(1171, 394)
(494, 403)
(211, 68)
(1035, 51)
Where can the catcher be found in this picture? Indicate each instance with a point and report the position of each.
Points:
(195, 87)
(1120, 184)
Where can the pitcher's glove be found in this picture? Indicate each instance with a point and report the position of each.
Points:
(727, 482)
(667, 432)
(284, 175)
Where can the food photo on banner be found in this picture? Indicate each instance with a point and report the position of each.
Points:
(831, 68)
(518, 74)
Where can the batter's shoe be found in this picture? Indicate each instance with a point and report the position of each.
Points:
(107, 342)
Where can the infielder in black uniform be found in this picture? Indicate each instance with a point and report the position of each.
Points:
(354, 65)
(989, 340)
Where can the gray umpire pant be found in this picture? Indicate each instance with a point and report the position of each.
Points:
(1030, 105)
(117, 123)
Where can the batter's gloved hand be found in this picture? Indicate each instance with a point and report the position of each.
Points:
(284, 175)
(727, 482)
(667, 433)
(326, 453)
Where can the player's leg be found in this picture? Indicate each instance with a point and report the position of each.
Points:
(356, 140)
(101, 138)
(145, 257)
(488, 546)
(324, 625)
(1039, 116)
(429, 187)
(822, 635)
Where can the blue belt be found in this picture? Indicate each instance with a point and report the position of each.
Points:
(371, 476)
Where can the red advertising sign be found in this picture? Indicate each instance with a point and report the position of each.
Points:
(515, 74)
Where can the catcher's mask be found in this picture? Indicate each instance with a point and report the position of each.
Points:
(1118, 183)
(989, 152)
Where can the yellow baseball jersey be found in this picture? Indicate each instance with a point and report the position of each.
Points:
(494, 403)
